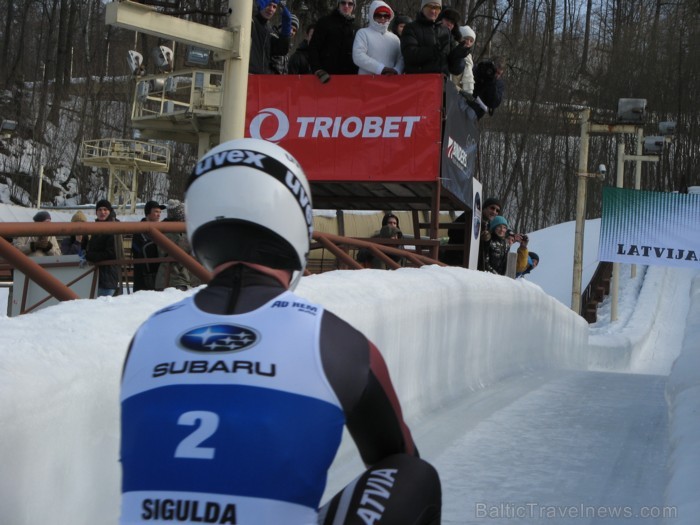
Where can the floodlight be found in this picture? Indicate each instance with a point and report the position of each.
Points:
(197, 56)
(142, 90)
(135, 61)
(631, 109)
(170, 86)
(162, 58)
(653, 145)
(667, 128)
(8, 125)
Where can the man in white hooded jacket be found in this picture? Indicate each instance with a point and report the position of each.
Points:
(376, 50)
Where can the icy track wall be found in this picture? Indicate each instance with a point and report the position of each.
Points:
(444, 332)
(683, 396)
(616, 352)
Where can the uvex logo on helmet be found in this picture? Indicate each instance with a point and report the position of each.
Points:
(264, 163)
(331, 127)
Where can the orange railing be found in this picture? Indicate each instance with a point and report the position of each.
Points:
(340, 248)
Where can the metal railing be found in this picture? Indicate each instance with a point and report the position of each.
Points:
(147, 156)
(339, 247)
(187, 91)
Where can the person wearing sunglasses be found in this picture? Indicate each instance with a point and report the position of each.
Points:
(491, 208)
(330, 50)
(428, 46)
(376, 50)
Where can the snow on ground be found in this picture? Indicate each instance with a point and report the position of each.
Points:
(494, 376)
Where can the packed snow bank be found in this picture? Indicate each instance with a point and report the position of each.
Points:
(683, 396)
(444, 332)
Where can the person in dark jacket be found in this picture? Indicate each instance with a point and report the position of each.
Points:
(330, 50)
(174, 274)
(451, 19)
(143, 247)
(280, 63)
(488, 86)
(427, 45)
(75, 244)
(299, 61)
(265, 43)
(103, 247)
(491, 208)
(365, 256)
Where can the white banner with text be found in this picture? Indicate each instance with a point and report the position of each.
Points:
(647, 227)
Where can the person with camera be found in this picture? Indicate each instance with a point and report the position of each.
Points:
(265, 43)
(495, 249)
(489, 86)
(527, 260)
(427, 44)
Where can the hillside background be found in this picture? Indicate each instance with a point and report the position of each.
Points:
(64, 79)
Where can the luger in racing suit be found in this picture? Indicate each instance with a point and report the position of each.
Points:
(233, 405)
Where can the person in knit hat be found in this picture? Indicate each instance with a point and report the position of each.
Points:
(143, 247)
(495, 250)
(299, 60)
(174, 274)
(428, 46)
(465, 81)
(265, 42)
(451, 18)
(280, 63)
(75, 244)
(175, 211)
(39, 246)
(105, 247)
(490, 208)
(42, 216)
(398, 23)
(376, 50)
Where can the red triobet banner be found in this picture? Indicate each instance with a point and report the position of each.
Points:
(355, 127)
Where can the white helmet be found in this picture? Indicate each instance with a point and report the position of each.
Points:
(248, 200)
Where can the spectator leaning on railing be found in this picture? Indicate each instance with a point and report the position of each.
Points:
(39, 246)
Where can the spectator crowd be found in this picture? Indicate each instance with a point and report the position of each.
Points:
(151, 268)
(436, 41)
(496, 240)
